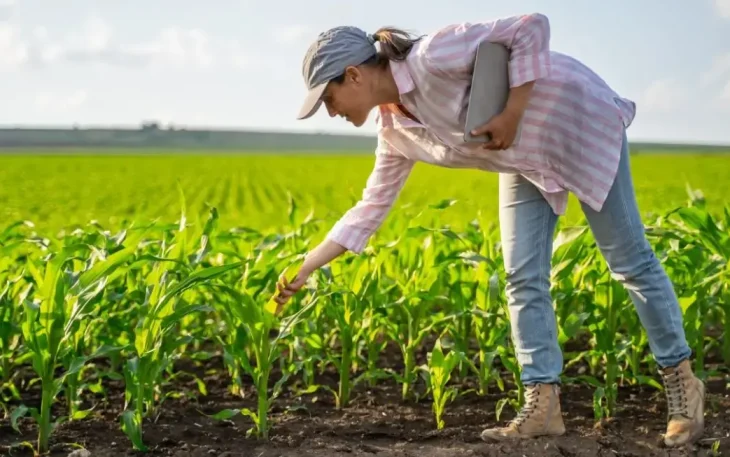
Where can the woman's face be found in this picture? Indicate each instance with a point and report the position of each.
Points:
(352, 98)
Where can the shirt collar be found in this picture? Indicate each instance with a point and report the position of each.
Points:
(402, 77)
(387, 118)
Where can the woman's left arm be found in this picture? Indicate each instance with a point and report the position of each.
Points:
(451, 51)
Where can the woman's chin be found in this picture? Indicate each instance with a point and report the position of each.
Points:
(357, 121)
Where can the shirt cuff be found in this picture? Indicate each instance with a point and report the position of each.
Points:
(354, 239)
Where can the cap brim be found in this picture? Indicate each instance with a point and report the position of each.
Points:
(312, 102)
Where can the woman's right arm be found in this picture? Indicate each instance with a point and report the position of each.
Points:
(320, 256)
(357, 225)
(385, 182)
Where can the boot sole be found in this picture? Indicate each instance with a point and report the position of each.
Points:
(498, 438)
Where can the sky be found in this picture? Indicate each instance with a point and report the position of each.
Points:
(237, 63)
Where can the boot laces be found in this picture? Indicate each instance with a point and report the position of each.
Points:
(529, 407)
(676, 393)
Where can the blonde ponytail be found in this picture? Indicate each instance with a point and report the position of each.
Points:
(395, 44)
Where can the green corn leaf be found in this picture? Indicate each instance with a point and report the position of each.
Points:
(443, 204)
(104, 268)
(132, 427)
(225, 414)
(180, 313)
(16, 415)
(196, 278)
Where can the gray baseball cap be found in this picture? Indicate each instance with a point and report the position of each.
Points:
(332, 52)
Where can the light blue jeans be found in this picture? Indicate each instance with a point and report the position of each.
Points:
(527, 225)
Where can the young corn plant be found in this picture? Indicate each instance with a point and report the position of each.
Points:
(572, 259)
(611, 304)
(416, 274)
(703, 232)
(157, 335)
(14, 290)
(12, 352)
(509, 361)
(373, 342)
(490, 323)
(437, 373)
(347, 306)
(63, 300)
(259, 337)
(155, 344)
(306, 352)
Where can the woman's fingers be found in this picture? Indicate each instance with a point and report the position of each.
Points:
(493, 145)
(287, 289)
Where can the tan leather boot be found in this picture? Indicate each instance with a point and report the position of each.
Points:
(540, 416)
(685, 405)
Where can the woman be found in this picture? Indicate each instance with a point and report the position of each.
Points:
(572, 139)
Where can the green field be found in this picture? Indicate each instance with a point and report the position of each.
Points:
(125, 333)
(251, 190)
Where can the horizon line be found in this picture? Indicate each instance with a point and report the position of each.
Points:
(172, 127)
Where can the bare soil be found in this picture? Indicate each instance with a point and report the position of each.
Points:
(377, 423)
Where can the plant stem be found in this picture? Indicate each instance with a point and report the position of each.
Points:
(611, 387)
(372, 362)
(410, 363)
(263, 410)
(345, 364)
(44, 427)
(72, 383)
(726, 337)
(483, 373)
(309, 371)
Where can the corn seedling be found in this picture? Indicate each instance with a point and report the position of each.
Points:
(164, 307)
(62, 301)
(437, 374)
(259, 332)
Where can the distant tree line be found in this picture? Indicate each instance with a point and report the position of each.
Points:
(152, 135)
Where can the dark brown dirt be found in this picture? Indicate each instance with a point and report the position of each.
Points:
(377, 423)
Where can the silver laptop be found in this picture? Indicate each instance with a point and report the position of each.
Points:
(489, 88)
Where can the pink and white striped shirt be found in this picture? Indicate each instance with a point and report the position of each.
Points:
(571, 134)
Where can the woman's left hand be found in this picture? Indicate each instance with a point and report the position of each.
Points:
(502, 129)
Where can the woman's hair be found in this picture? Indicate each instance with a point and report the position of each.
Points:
(395, 44)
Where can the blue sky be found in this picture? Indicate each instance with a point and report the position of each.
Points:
(236, 63)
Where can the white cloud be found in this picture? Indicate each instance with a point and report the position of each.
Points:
(6, 9)
(170, 46)
(98, 33)
(291, 33)
(13, 51)
(663, 95)
(725, 94)
(723, 8)
(719, 69)
(96, 43)
(60, 102)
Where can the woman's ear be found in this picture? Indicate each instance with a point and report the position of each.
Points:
(353, 74)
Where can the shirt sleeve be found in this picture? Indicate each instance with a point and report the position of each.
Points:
(385, 182)
(451, 50)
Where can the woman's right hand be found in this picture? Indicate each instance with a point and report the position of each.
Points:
(318, 257)
(288, 289)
